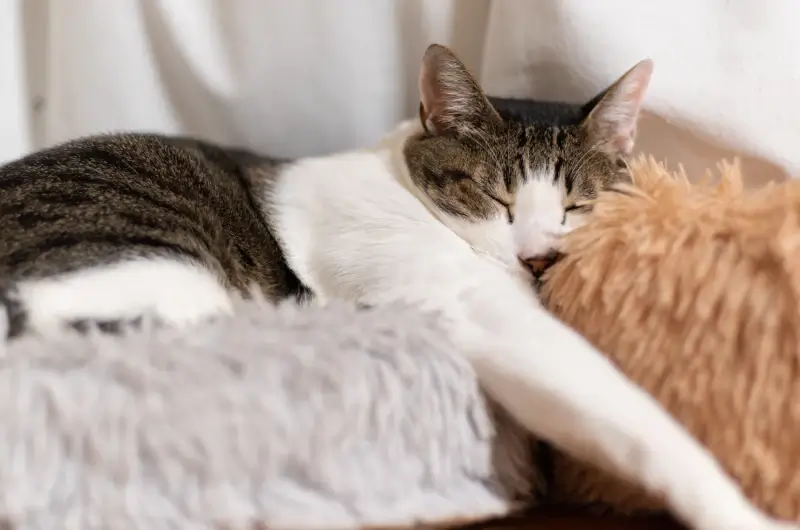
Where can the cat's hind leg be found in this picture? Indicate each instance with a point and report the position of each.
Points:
(174, 292)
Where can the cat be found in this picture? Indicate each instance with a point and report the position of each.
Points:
(105, 199)
(450, 212)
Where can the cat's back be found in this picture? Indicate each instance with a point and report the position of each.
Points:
(101, 199)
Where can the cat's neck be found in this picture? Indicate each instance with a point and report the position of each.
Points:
(392, 146)
(380, 165)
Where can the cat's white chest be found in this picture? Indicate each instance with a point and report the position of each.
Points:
(350, 229)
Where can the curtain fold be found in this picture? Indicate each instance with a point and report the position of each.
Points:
(307, 77)
(15, 104)
(291, 78)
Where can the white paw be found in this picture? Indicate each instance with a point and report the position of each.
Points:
(751, 520)
(763, 524)
(767, 523)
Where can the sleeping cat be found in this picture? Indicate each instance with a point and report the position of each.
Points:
(67, 210)
(452, 212)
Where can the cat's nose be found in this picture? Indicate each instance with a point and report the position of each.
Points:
(538, 264)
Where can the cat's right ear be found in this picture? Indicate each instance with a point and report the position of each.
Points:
(611, 123)
(451, 102)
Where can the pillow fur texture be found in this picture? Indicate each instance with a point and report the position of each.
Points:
(693, 290)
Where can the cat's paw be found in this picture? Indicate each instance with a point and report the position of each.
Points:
(767, 523)
(764, 523)
(749, 519)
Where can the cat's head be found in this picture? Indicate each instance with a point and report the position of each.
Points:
(509, 189)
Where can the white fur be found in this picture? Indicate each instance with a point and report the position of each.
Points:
(354, 227)
(179, 293)
(540, 222)
(536, 231)
(537, 226)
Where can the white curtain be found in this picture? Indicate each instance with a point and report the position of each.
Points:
(291, 77)
(300, 77)
(726, 79)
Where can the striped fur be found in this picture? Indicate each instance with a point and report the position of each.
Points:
(477, 152)
(106, 199)
(98, 200)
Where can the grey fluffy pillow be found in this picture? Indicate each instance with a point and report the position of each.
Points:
(285, 417)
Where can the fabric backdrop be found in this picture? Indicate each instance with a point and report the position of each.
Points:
(306, 77)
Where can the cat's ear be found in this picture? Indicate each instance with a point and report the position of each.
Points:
(451, 102)
(611, 123)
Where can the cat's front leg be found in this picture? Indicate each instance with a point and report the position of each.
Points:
(562, 389)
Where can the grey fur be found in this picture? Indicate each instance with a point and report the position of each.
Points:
(280, 417)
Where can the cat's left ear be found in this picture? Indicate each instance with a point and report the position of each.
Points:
(611, 124)
(451, 102)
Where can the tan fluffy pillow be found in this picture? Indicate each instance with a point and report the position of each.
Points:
(694, 292)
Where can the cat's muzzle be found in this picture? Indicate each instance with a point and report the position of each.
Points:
(539, 264)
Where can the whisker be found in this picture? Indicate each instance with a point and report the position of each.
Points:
(588, 155)
(495, 157)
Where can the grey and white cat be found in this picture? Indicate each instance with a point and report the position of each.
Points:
(93, 203)
(448, 212)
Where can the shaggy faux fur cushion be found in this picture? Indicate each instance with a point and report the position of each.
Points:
(278, 418)
(340, 417)
(694, 292)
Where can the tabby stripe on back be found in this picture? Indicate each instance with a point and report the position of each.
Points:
(110, 199)
(85, 239)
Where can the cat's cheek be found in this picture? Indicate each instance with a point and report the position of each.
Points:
(575, 220)
(493, 237)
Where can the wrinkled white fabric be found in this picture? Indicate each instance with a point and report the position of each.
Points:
(15, 126)
(290, 78)
(307, 77)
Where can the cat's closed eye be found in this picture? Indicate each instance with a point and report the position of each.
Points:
(456, 174)
(575, 208)
(578, 208)
(509, 209)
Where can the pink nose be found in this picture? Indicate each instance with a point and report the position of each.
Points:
(538, 264)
